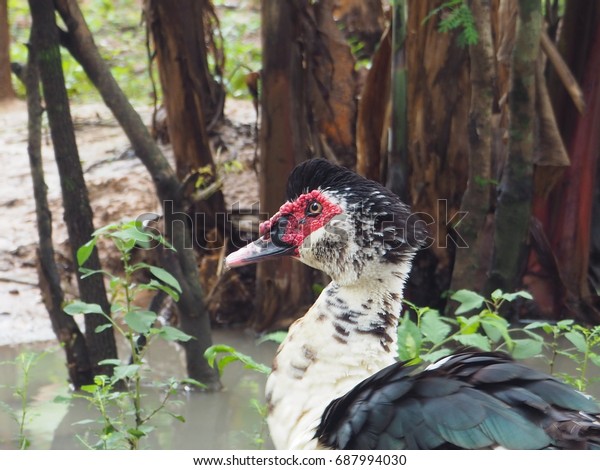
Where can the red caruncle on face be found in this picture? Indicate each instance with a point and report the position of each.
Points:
(304, 215)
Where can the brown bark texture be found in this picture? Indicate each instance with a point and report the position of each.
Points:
(332, 103)
(568, 213)
(438, 110)
(78, 213)
(64, 326)
(362, 21)
(373, 118)
(192, 98)
(6, 89)
(283, 288)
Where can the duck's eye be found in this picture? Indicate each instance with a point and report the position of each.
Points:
(314, 208)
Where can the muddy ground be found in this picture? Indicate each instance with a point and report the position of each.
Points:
(119, 187)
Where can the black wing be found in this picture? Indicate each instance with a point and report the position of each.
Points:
(471, 401)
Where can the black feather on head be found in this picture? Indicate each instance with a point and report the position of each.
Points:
(394, 224)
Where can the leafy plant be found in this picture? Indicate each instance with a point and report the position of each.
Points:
(430, 335)
(456, 15)
(222, 355)
(25, 363)
(577, 343)
(119, 35)
(123, 390)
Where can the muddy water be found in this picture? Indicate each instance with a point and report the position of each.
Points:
(226, 420)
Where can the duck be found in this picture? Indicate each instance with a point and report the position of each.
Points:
(336, 382)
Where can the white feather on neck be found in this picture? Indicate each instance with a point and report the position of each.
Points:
(324, 356)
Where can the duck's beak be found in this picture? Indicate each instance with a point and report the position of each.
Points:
(261, 249)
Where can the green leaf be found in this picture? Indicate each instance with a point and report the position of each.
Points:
(127, 371)
(165, 277)
(525, 348)
(510, 297)
(91, 388)
(547, 327)
(178, 417)
(474, 340)
(577, 339)
(232, 355)
(90, 272)
(496, 295)
(495, 327)
(78, 307)
(84, 251)
(275, 336)
(130, 234)
(154, 285)
(140, 321)
(534, 336)
(433, 327)
(193, 382)
(62, 399)
(109, 362)
(170, 333)
(409, 339)
(105, 229)
(469, 325)
(101, 328)
(435, 355)
(595, 358)
(468, 300)
(137, 433)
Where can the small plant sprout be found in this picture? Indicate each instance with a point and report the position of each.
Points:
(477, 323)
(107, 393)
(25, 362)
(428, 339)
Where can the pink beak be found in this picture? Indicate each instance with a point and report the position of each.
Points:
(257, 251)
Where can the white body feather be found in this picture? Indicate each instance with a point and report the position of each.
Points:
(324, 357)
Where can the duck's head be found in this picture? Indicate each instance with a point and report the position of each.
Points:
(340, 223)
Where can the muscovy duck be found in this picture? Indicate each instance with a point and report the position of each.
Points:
(335, 381)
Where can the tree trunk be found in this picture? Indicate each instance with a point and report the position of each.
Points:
(372, 122)
(191, 305)
(183, 38)
(471, 264)
(78, 213)
(578, 27)
(331, 91)
(64, 326)
(395, 176)
(6, 89)
(567, 212)
(438, 109)
(192, 99)
(283, 287)
(513, 211)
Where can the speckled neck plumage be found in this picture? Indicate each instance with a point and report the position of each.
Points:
(346, 336)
